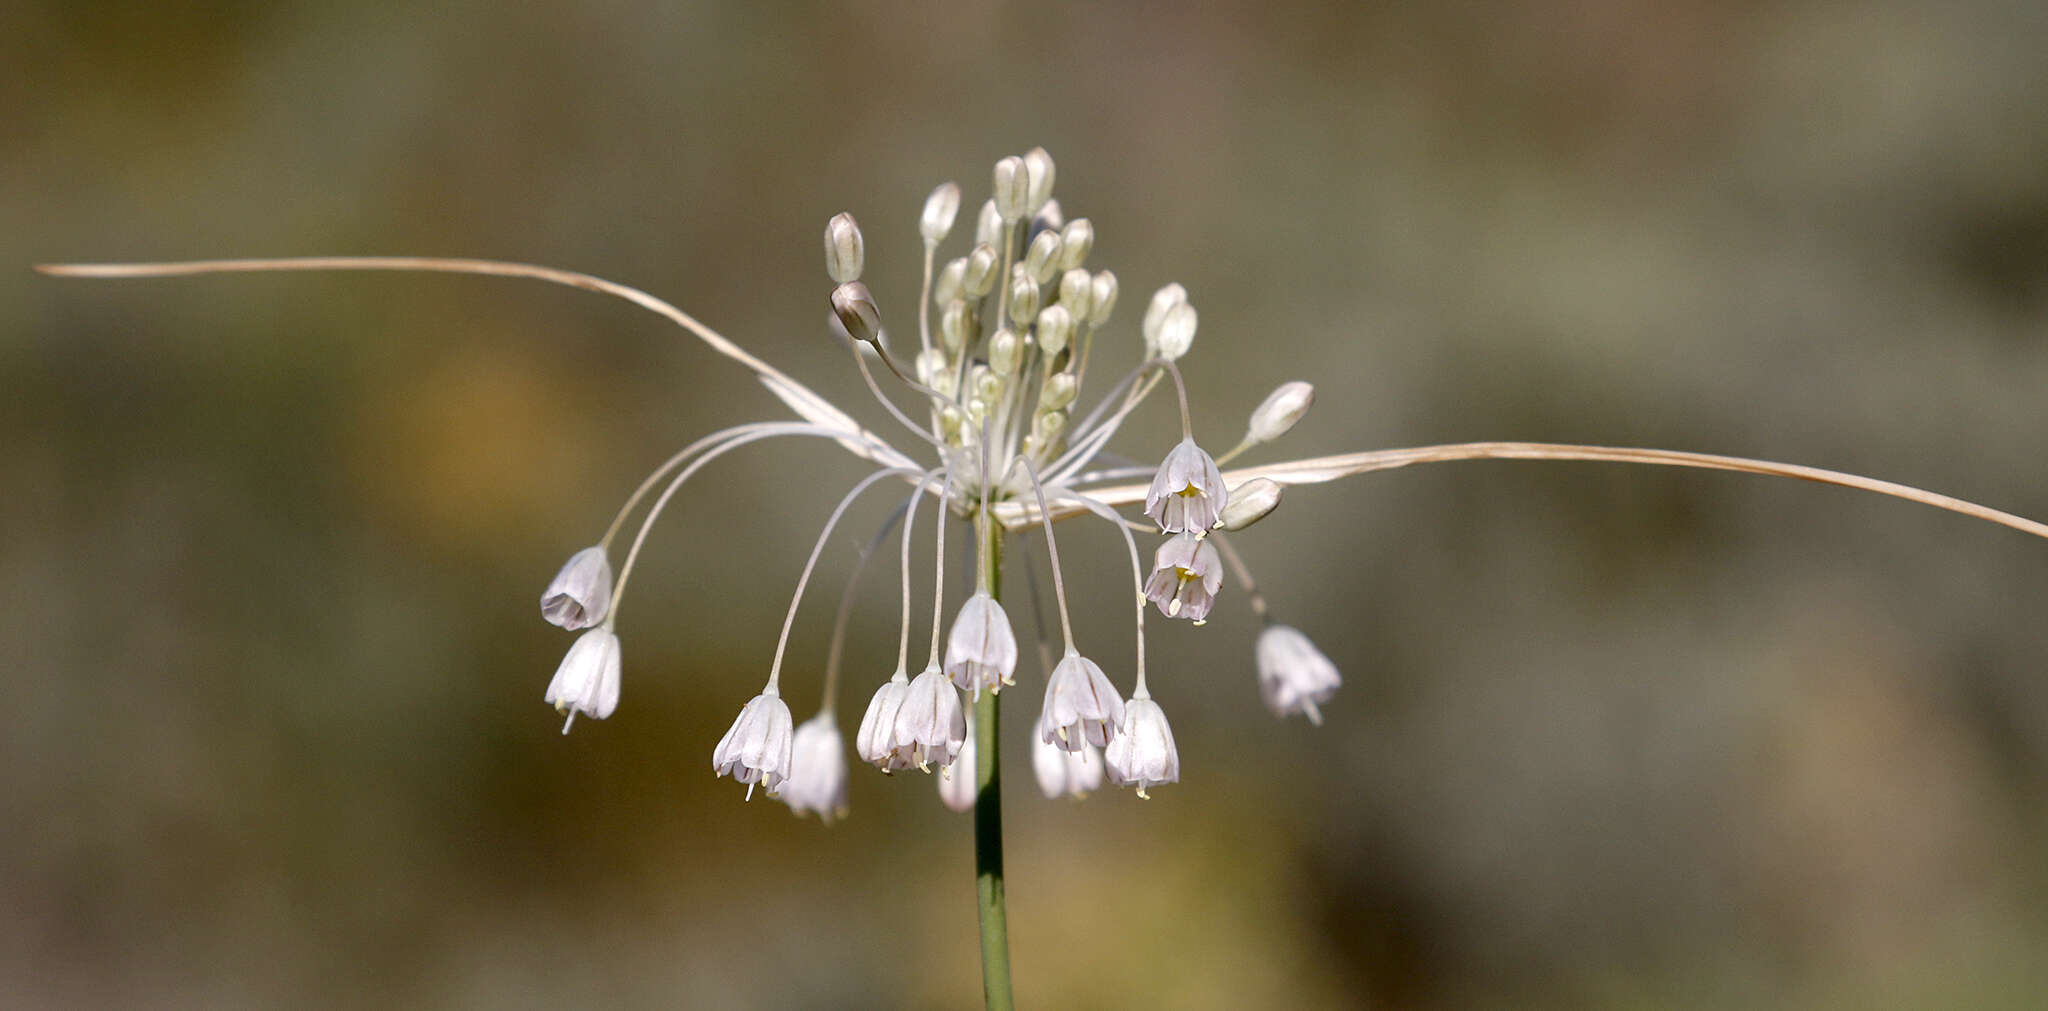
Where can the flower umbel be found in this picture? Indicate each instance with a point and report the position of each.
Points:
(996, 412)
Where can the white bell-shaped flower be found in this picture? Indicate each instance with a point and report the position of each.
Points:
(1142, 752)
(1081, 706)
(757, 748)
(1186, 573)
(587, 682)
(930, 720)
(581, 594)
(956, 779)
(876, 742)
(1066, 773)
(981, 649)
(1187, 490)
(817, 769)
(1294, 676)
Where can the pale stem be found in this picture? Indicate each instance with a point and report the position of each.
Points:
(867, 375)
(988, 804)
(939, 574)
(1243, 572)
(834, 650)
(654, 478)
(1052, 548)
(768, 430)
(1137, 573)
(924, 299)
(789, 618)
(910, 522)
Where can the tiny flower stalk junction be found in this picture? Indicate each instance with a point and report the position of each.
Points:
(977, 387)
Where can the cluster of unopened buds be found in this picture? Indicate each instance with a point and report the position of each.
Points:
(993, 387)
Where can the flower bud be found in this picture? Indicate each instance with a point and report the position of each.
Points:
(956, 779)
(988, 225)
(1038, 174)
(1023, 297)
(1102, 298)
(844, 252)
(817, 769)
(955, 323)
(1059, 391)
(939, 210)
(1048, 218)
(1005, 350)
(931, 365)
(1055, 328)
(1163, 302)
(987, 384)
(951, 282)
(1077, 294)
(1176, 332)
(1077, 239)
(1250, 502)
(1041, 261)
(980, 278)
(856, 310)
(1049, 426)
(1282, 408)
(1012, 189)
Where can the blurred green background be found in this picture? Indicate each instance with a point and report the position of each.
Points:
(1611, 737)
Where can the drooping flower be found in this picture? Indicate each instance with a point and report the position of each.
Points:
(757, 748)
(1081, 707)
(1062, 772)
(1187, 491)
(817, 769)
(1186, 573)
(581, 593)
(1142, 752)
(981, 649)
(587, 682)
(1294, 676)
(930, 721)
(876, 741)
(956, 778)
